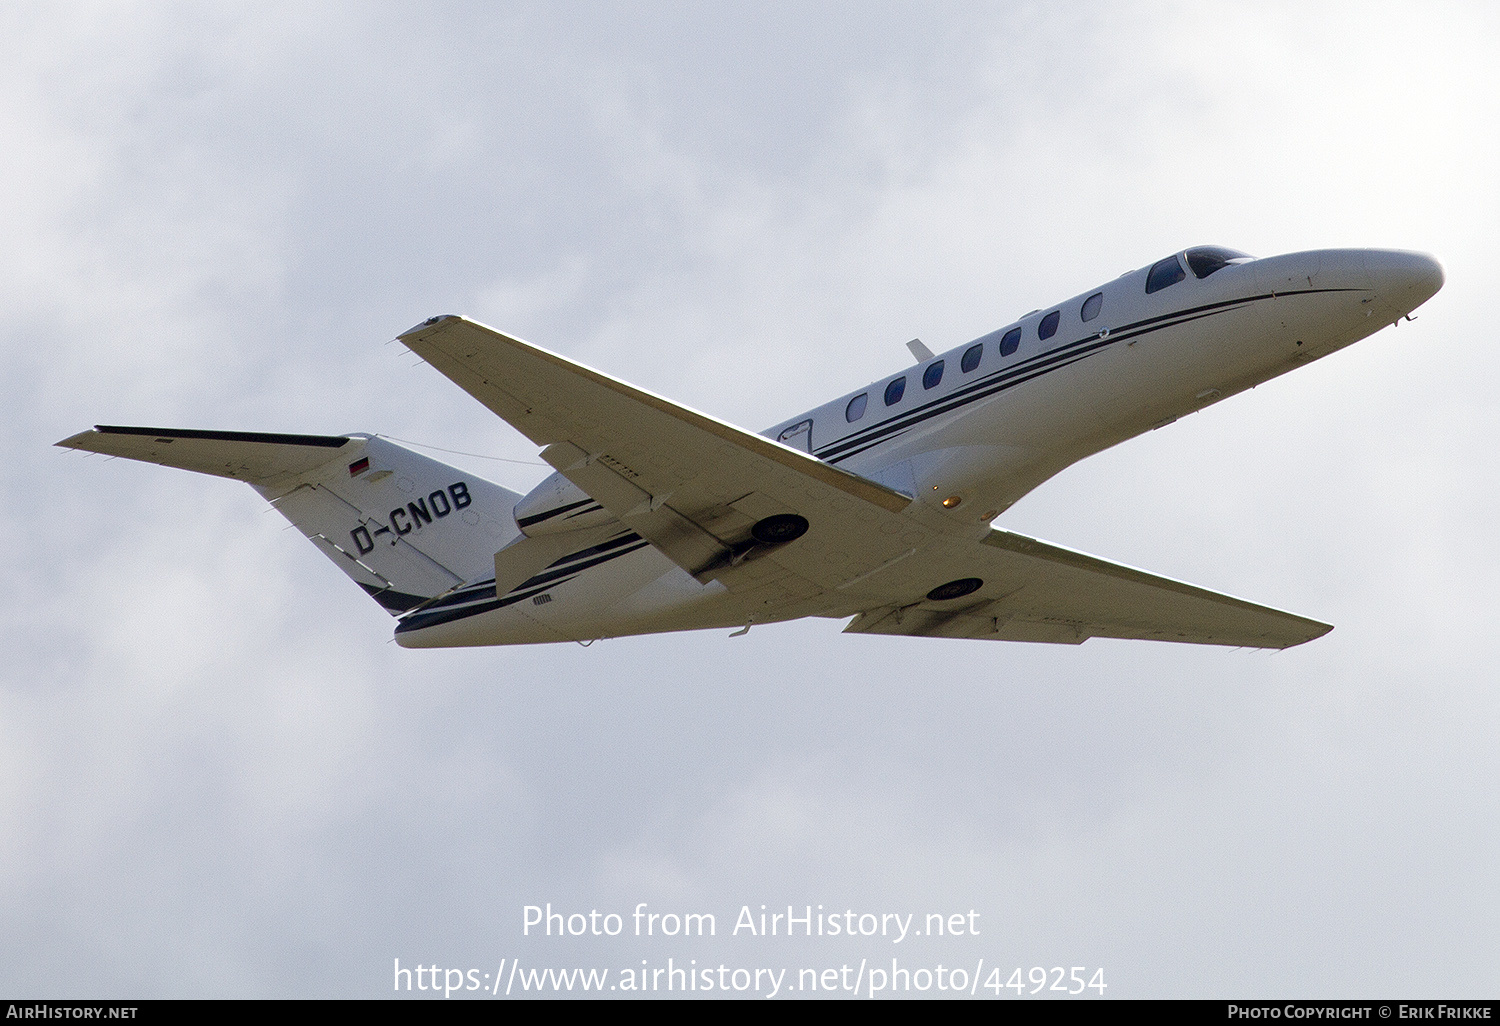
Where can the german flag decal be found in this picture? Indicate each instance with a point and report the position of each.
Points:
(358, 467)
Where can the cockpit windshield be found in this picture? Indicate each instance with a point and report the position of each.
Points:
(1205, 260)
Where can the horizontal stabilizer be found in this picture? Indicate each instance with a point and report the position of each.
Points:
(406, 528)
(255, 457)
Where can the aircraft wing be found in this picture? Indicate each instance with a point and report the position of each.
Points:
(1034, 591)
(695, 486)
(692, 485)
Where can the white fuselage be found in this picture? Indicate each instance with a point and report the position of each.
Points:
(968, 441)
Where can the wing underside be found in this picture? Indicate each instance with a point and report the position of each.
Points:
(1033, 591)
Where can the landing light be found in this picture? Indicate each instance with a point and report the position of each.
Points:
(952, 500)
(779, 529)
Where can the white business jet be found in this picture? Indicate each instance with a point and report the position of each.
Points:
(874, 507)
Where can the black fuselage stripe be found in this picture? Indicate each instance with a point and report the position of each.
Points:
(1031, 369)
(395, 601)
(1056, 359)
(534, 586)
(1009, 383)
(548, 576)
(1021, 370)
(472, 593)
(486, 589)
(420, 620)
(538, 518)
(613, 543)
(995, 383)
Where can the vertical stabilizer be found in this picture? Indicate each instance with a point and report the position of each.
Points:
(403, 526)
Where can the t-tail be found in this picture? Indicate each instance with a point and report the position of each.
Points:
(406, 528)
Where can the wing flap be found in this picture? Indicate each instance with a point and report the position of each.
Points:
(928, 623)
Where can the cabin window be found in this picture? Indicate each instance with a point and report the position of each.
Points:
(1091, 306)
(856, 407)
(1010, 342)
(1048, 327)
(1163, 273)
(798, 436)
(971, 359)
(932, 375)
(895, 390)
(1205, 260)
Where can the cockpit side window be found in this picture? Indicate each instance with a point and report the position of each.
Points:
(895, 390)
(1163, 273)
(1205, 260)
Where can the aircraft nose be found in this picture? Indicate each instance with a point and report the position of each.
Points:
(1403, 280)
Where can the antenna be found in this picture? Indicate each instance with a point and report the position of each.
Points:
(921, 352)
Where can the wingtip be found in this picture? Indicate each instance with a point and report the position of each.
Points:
(76, 441)
(1320, 630)
(428, 324)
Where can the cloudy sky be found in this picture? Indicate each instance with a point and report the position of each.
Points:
(219, 777)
